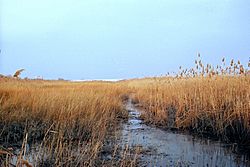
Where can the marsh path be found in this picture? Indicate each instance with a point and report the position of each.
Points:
(166, 148)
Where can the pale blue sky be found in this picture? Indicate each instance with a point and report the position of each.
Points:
(90, 39)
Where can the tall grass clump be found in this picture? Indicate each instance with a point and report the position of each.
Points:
(207, 100)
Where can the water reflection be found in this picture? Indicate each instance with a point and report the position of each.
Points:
(173, 149)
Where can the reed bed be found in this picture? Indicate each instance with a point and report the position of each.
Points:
(211, 101)
(66, 122)
(71, 123)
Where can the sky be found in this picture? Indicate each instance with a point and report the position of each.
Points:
(118, 39)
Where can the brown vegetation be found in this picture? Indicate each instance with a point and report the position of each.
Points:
(208, 100)
(68, 122)
(18, 73)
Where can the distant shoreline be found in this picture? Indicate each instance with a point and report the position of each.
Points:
(87, 80)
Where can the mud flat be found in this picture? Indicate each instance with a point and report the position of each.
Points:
(167, 148)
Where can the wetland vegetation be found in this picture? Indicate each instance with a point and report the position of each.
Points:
(64, 123)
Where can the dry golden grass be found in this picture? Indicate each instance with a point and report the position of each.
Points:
(68, 121)
(212, 101)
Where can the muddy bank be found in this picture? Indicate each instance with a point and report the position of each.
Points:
(166, 148)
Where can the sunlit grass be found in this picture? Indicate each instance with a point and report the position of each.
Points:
(209, 100)
(68, 121)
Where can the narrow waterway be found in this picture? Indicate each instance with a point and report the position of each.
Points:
(159, 147)
(166, 148)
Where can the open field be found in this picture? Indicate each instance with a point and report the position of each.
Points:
(70, 122)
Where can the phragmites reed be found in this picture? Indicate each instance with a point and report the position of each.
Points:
(213, 100)
(17, 73)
